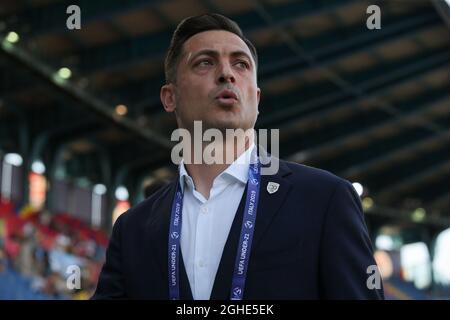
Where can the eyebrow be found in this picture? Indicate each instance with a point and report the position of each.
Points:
(214, 53)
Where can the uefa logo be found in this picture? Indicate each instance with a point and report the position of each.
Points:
(248, 224)
(237, 292)
(255, 181)
(174, 235)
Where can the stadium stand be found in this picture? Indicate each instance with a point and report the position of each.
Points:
(38, 249)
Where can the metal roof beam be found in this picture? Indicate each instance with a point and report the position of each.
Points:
(86, 100)
(397, 124)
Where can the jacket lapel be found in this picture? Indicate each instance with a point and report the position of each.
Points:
(268, 206)
(158, 230)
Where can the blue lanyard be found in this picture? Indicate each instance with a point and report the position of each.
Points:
(245, 239)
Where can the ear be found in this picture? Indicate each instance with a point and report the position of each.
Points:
(258, 94)
(167, 96)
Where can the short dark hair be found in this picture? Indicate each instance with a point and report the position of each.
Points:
(196, 24)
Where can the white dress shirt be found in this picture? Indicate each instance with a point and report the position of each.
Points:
(206, 223)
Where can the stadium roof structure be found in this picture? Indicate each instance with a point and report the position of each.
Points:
(372, 106)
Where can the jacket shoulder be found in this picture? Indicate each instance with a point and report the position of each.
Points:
(144, 209)
(314, 176)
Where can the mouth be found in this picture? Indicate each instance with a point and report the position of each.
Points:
(227, 97)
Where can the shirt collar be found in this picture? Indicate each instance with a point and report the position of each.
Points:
(237, 170)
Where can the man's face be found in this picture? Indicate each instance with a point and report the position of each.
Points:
(216, 83)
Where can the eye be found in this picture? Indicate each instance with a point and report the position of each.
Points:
(204, 63)
(243, 64)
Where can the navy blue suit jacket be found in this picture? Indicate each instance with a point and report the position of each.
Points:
(310, 242)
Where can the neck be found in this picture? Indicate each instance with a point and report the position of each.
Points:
(203, 174)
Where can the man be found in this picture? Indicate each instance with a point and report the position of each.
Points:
(195, 238)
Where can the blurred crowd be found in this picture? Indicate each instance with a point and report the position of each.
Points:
(59, 256)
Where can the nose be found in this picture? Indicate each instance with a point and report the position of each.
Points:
(226, 74)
